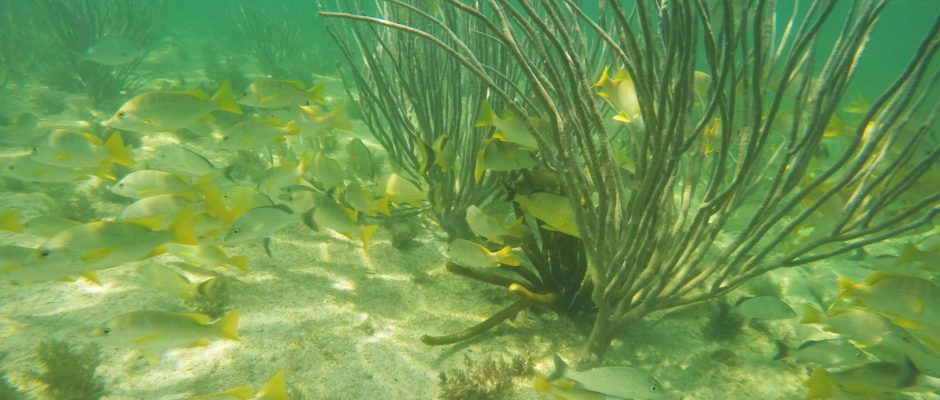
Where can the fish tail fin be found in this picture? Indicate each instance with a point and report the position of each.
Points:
(507, 257)
(228, 325)
(315, 93)
(274, 389)
(845, 286)
(811, 315)
(820, 385)
(182, 227)
(165, 279)
(479, 165)
(382, 204)
(560, 368)
(909, 378)
(365, 234)
(224, 100)
(541, 384)
(120, 154)
(9, 221)
(240, 262)
(487, 116)
(604, 79)
(212, 197)
(340, 117)
(517, 228)
(782, 350)
(291, 128)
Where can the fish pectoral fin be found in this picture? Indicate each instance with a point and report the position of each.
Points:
(97, 254)
(200, 343)
(147, 122)
(92, 276)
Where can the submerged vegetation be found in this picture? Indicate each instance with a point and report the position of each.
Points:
(591, 167)
(491, 378)
(69, 370)
(123, 31)
(695, 146)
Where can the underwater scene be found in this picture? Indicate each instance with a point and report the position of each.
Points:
(469, 199)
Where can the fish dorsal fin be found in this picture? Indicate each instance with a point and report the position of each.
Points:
(742, 300)
(807, 344)
(297, 84)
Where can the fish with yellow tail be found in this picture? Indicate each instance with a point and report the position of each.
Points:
(553, 210)
(86, 248)
(174, 283)
(500, 155)
(365, 201)
(272, 93)
(153, 331)
(343, 220)
(167, 111)
(620, 93)
(865, 327)
(403, 191)
(70, 148)
(469, 254)
(259, 223)
(256, 133)
(612, 382)
(869, 380)
(317, 120)
(274, 389)
(909, 301)
(28, 170)
(508, 127)
(493, 227)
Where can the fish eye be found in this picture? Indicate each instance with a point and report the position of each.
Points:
(236, 231)
(654, 388)
(121, 114)
(106, 331)
(45, 253)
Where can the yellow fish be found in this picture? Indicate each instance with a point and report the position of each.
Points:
(365, 201)
(620, 93)
(345, 221)
(28, 170)
(277, 93)
(402, 191)
(82, 249)
(499, 155)
(493, 227)
(257, 132)
(274, 389)
(68, 148)
(316, 120)
(508, 127)
(469, 254)
(153, 331)
(553, 210)
(162, 111)
(911, 302)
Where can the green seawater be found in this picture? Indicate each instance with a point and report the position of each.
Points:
(334, 297)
